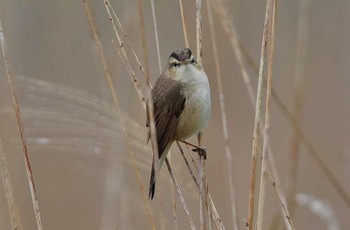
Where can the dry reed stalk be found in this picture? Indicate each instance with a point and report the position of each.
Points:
(283, 202)
(129, 44)
(223, 119)
(202, 179)
(179, 193)
(21, 131)
(199, 30)
(316, 156)
(217, 220)
(143, 39)
(125, 57)
(265, 153)
(299, 79)
(184, 26)
(230, 29)
(118, 110)
(156, 36)
(257, 119)
(238, 51)
(5, 176)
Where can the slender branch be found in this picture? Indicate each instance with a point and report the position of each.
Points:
(21, 132)
(125, 57)
(214, 212)
(118, 111)
(228, 24)
(156, 36)
(257, 119)
(184, 27)
(202, 196)
(143, 39)
(228, 153)
(265, 154)
(5, 176)
(179, 193)
(129, 44)
(299, 76)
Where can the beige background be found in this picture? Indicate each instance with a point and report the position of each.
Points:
(79, 155)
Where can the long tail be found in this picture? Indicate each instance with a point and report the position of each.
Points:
(152, 183)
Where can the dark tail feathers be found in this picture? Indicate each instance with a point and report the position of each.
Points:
(152, 183)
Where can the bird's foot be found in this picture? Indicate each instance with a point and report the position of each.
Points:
(202, 151)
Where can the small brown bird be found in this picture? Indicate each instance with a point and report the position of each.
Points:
(181, 104)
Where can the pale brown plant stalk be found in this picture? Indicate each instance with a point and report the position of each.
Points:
(118, 112)
(184, 26)
(311, 149)
(265, 153)
(143, 40)
(283, 202)
(316, 156)
(202, 179)
(228, 153)
(250, 222)
(229, 28)
(299, 80)
(125, 57)
(179, 193)
(213, 211)
(129, 44)
(21, 131)
(6, 181)
(156, 36)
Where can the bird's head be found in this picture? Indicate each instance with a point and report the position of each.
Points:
(179, 60)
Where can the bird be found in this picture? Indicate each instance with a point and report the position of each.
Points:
(181, 105)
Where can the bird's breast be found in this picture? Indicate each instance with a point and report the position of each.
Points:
(196, 110)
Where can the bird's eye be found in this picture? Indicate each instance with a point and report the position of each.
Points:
(193, 61)
(175, 65)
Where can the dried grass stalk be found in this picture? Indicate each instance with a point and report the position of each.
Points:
(184, 26)
(257, 119)
(223, 119)
(118, 112)
(21, 132)
(5, 176)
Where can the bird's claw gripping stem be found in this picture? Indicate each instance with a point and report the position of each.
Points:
(202, 151)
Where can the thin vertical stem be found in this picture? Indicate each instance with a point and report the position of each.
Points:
(179, 193)
(224, 119)
(143, 39)
(5, 176)
(21, 132)
(257, 119)
(184, 26)
(202, 196)
(199, 30)
(116, 103)
(156, 35)
(299, 78)
(265, 153)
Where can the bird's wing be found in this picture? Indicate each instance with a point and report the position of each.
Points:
(168, 106)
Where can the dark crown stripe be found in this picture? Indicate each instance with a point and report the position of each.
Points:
(181, 54)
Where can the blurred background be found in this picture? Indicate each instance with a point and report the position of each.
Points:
(81, 157)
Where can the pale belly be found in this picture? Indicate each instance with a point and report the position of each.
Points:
(196, 113)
